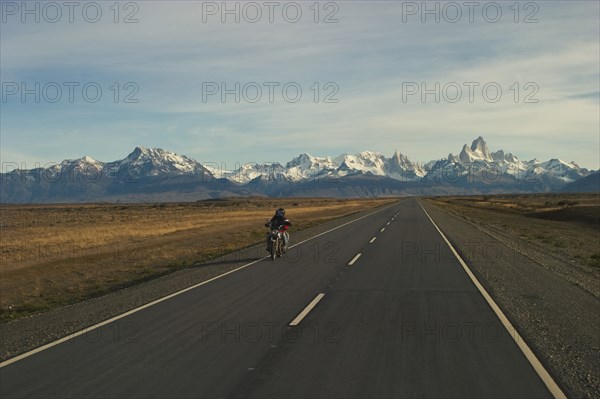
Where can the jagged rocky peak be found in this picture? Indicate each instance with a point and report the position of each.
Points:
(498, 155)
(88, 159)
(158, 162)
(84, 163)
(155, 153)
(453, 158)
(477, 152)
(155, 164)
(480, 145)
(400, 159)
(303, 159)
(400, 167)
(139, 154)
(139, 151)
(399, 156)
(465, 154)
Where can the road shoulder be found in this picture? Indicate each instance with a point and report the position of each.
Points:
(27, 333)
(556, 316)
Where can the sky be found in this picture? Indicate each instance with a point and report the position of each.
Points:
(324, 78)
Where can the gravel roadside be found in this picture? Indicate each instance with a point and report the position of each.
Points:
(554, 305)
(25, 334)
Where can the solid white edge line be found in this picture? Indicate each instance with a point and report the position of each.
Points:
(306, 310)
(533, 360)
(354, 259)
(156, 301)
(115, 318)
(372, 239)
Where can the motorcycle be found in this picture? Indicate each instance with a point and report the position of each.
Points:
(277, 241)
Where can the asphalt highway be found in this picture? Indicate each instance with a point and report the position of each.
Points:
(379, 307)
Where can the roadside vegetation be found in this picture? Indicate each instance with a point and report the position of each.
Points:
(54, 255)
(565, 224)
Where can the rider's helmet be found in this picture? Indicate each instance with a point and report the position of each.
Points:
(280, 212)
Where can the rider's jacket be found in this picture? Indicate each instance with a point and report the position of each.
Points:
(279, 221)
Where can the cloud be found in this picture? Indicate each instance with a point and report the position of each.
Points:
(368, 55)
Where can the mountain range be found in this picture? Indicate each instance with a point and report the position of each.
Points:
(153, 174)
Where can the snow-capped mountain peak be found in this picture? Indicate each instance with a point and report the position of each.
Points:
(400, 156)
(400, 167)
(558, 169)
(477, 152)
(477, 161)
(306, 166)
(88, 164)
(144, 161)
(89, 160)
(475, 169)
(366, 162)
(479, 145)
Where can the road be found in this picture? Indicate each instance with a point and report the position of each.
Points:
(403, 320)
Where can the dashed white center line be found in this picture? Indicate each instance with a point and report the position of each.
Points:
(354, 259)
(165, 298)
(372, 239)
(388, 223)
(383, 229)
(306, 310)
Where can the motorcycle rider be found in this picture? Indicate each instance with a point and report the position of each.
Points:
(279, 221)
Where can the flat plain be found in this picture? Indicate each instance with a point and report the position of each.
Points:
(55, 255)
(538, 257)
(564, 224)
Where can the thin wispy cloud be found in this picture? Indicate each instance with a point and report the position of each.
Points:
(170, 54)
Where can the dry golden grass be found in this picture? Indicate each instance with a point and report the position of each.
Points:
(564, 224)
(56, 255)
